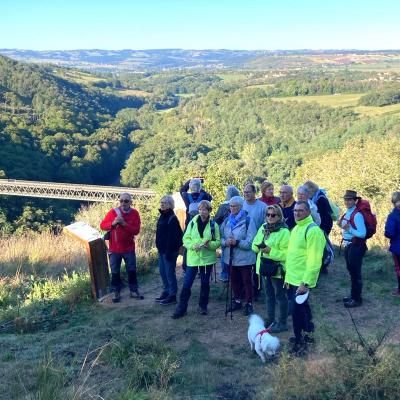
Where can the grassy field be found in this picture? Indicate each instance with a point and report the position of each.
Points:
(134, 350)
(131, 92)
(80, 77)
(348, 100)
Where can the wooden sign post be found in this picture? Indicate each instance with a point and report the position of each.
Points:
(97, 256)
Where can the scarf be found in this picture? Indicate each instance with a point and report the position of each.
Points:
(269, 228)
(234, 219)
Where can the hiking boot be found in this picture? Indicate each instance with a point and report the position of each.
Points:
(134, 294)
(163, 296)
(203, 311)
(299, 349)
(178, 314)
(168, 300)
(248, 309)
(305, 339)
(117, 297)
(279, 327)
(396, 293)
(353, 303)
(346, 299)
(236, 305)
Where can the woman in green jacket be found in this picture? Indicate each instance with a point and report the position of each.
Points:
(201, 239)
(270, 244)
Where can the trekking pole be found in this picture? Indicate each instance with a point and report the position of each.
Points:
(229, 283)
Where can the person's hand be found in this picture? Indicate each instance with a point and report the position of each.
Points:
(206, 243)
(198, 247)
(266, 249)
(302, 289)
(231, 242)
(346, 227)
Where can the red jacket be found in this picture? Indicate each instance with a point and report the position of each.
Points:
(122, 237)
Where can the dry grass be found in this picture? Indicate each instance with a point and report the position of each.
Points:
(40, 254)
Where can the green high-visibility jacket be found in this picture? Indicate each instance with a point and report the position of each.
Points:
(191, 238)
(304, 254)
(278, 242)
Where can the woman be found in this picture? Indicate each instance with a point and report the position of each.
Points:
(318, 197)
(201, 240)
(222, 212)
(168, 241)
(303, 194)
(392, 231)
(237, 233)
(267, 194)
(270, 244)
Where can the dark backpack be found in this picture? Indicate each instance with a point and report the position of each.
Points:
(363, 207)
(328, 254)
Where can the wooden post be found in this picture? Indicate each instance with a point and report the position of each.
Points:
(96, 252)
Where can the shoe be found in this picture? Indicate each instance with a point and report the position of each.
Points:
(353, 303)
(221, 279)
(346, 299)
(178, 314)
(305, 339)
(236, 305)
(117, 297)
(299, 349)
(396, 293)
(248, 309)
(278, 327)
(136, 295)
(163, 296)
(203, 311)
(168, 300)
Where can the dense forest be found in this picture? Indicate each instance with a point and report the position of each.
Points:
(154, 129)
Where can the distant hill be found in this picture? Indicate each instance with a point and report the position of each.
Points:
(167, 59)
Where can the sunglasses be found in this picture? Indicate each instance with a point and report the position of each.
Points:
(124, 201)
(271, 215)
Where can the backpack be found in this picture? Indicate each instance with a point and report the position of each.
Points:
(193, 208)
(335, 210)
(328, 254)
(363, 207)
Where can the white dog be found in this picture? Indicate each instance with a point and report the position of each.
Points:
(259, 338)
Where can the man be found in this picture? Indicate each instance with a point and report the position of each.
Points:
(256, 210)
(287, 204)
(123, 223)
(353, 232)
(304, 195)
(303, 262)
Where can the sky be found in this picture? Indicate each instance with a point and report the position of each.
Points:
(199, 24)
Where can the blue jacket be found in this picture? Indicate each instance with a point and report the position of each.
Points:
(392, 231)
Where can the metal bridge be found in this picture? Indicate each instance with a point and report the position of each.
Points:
(68, 191)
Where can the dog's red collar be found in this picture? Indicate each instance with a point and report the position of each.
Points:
(267, 330)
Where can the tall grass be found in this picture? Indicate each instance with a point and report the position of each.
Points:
(40, 254)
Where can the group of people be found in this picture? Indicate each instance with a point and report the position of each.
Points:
(274, 243)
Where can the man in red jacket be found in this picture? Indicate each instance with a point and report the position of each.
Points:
(123, 223)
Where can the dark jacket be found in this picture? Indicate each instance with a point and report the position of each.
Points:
(392, 231)
(324, 211)
(184, 193)
(169, 233)
(222, 212)
(287, 211)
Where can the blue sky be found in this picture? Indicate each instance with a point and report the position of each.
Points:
(199, 24)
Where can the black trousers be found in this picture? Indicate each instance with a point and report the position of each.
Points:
(353, 254)
(301, 315)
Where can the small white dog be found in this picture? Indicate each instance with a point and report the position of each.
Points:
(259, 338)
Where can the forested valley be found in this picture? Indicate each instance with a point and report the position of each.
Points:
(154, 129)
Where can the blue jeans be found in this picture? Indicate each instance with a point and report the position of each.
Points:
(167, 272)
(191, 273)
(115, 265)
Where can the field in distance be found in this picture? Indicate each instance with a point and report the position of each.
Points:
(347, 100)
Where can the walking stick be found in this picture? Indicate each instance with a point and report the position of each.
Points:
(229, 283)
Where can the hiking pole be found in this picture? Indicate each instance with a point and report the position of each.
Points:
(229, 283)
